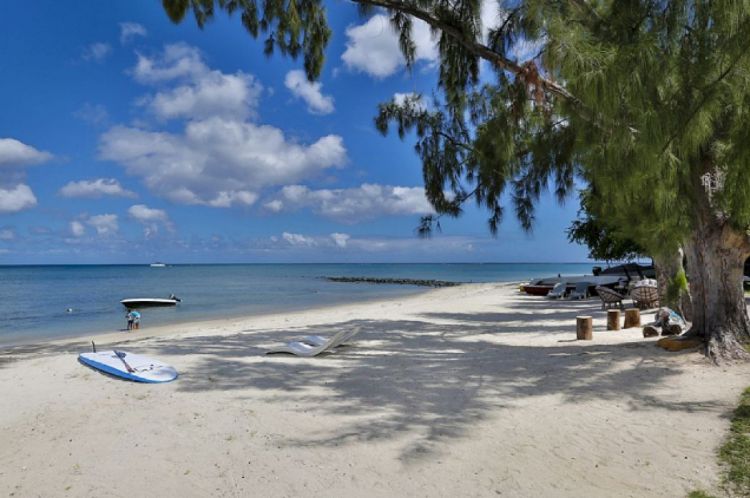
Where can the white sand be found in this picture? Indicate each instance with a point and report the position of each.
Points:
(467, 391)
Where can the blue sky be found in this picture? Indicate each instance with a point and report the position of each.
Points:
(125, 139)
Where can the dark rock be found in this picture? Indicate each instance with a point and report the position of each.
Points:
(394, 281)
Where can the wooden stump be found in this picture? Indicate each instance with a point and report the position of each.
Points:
(613, 320)
(632, 318)
(584, 328)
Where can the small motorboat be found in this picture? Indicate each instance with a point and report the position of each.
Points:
(150, 302)
(158, 265)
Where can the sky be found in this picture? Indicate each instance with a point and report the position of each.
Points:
(125, 138)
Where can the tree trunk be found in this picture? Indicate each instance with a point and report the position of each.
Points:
(716, 254)
(667, 268)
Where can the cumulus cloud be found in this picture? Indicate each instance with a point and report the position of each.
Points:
(340, 239)
(310, 92)
(95, 188)
(353, 204)
(77, 229)
(96, 52)
(372, 47)
(130, 30)
(150, 218)
(296, 239)
(177, 60)
(18, 198)
(210, 94)
(221, 158)
(16, 153)
(104, 224)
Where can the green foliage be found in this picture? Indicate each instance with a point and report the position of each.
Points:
(677, 286)
(699, 494)
(605, 242)
(735, 452)
(293, 27)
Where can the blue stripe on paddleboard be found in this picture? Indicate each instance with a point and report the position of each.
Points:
(120, 373)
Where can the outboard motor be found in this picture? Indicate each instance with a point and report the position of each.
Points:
(172, 296)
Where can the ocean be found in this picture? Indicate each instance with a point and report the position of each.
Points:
(34, 300)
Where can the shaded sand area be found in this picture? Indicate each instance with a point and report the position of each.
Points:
(466, 391)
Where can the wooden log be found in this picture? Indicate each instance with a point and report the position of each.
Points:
(584, 328)
(613, 320)
(632, 318)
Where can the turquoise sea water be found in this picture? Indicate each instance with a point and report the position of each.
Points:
(34, 299)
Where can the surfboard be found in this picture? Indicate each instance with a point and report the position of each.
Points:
(129, 366)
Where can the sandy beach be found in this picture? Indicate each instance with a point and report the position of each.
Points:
(467, 391)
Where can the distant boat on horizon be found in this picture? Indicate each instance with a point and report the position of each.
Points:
(158, 265)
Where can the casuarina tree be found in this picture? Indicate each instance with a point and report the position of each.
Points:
(646, 100)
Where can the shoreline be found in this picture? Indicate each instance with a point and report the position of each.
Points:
(225, 317)
(474, 381)
(156, 331)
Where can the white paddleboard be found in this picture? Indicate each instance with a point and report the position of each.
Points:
(129, 366)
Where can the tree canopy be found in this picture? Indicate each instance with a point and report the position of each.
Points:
(646, 100)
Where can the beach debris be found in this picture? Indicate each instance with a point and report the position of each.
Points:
(668, 321)
(396, 281)
(584, 328)
(650, 331)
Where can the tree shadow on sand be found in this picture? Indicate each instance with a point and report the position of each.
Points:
(436, 380)
(426, 378)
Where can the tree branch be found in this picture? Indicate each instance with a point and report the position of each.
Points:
(471, 45)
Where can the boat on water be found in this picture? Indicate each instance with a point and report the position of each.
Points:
(150, 302)
(158, 265)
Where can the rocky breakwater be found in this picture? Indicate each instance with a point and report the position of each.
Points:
(394, 281)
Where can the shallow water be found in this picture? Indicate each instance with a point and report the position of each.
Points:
(34, 299)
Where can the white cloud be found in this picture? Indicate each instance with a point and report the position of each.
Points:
(18, 198)
(16, 153)
(210, 94)
(298, 84)
(177, 60)
(104, 224)
(95, 189)
(7, 234)
(77, 228)
(97, 52)
(353, 204)
(340, 239)
(295, 239)
(130, 30)
(150, 218)
(373, 48)
(221, 159)
(218, 162)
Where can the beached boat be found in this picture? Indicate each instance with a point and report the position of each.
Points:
(542, 286)
(150, 302)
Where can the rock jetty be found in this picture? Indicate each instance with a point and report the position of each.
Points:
(396, 281)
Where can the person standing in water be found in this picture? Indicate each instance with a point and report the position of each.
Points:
(130, 318)
(136, 319)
